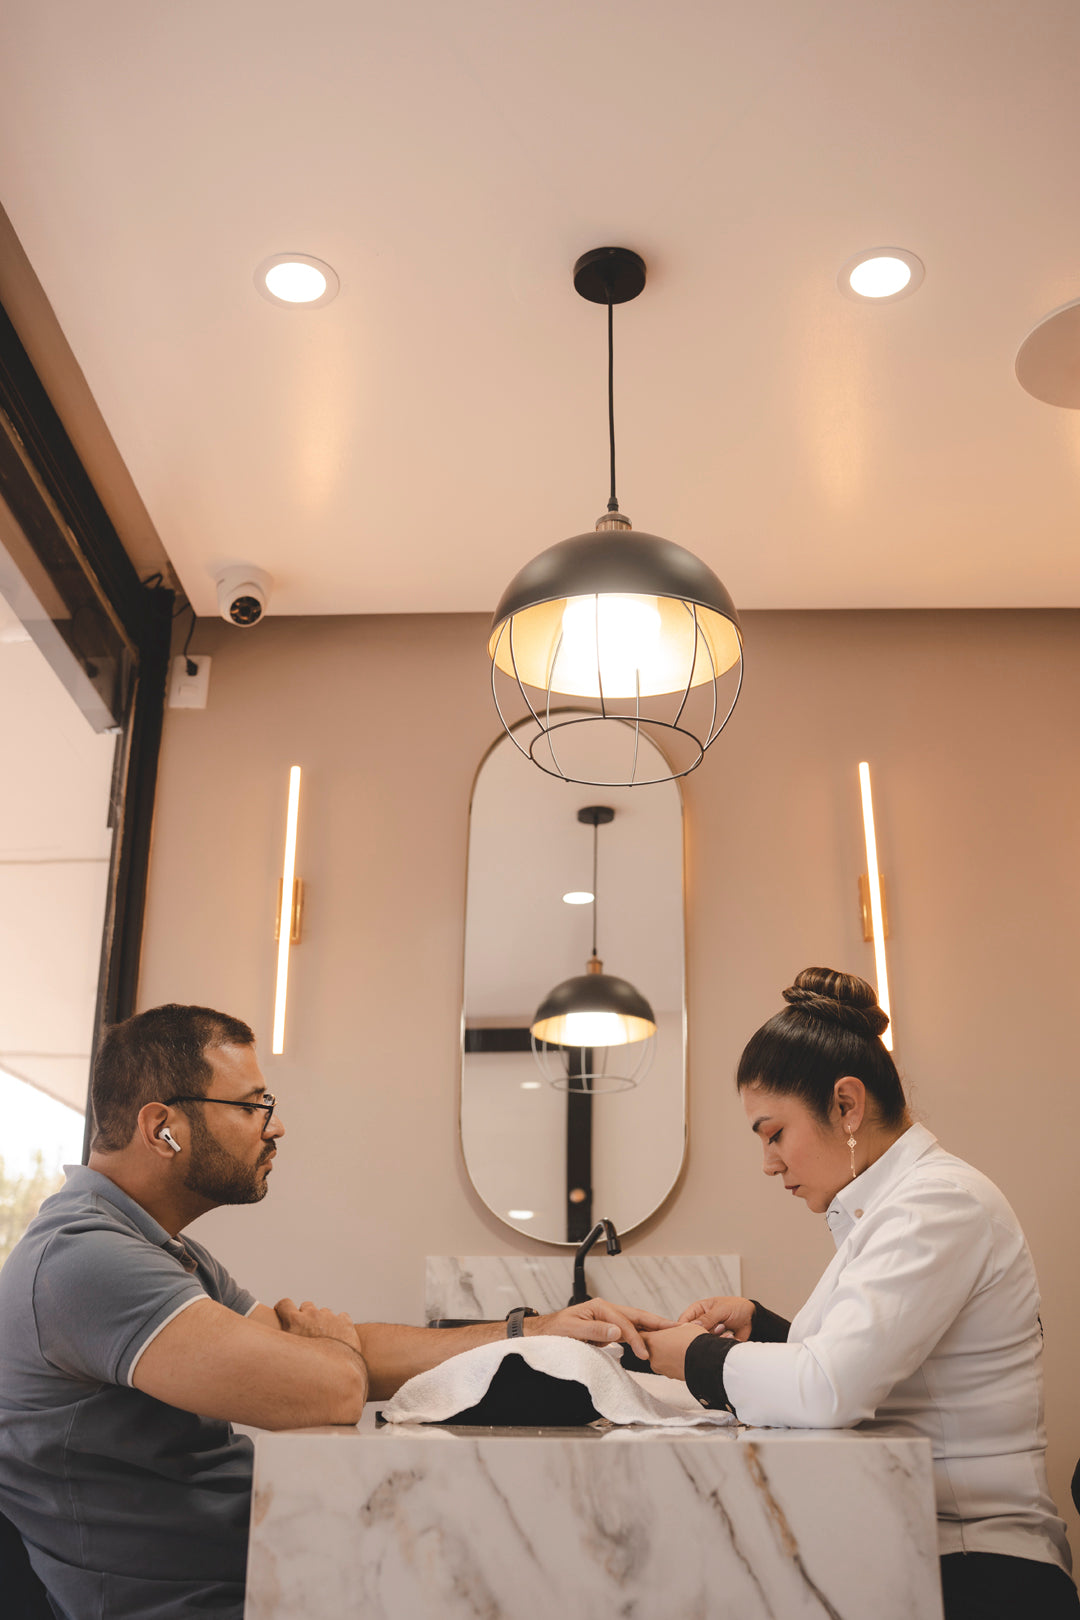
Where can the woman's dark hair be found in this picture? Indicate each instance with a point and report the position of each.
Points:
(831, 1027)
(157, 1054)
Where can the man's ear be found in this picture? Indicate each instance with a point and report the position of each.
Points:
(849, 1094)
(152, 1120)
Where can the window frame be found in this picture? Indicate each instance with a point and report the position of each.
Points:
(65, 525)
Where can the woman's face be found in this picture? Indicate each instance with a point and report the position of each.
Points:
(812, 1157)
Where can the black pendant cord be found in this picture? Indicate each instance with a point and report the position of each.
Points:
(595, 896)
(613, 504)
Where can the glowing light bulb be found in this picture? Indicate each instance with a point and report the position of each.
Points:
(296, 283)
(578, 897)
(594, 1029)
(880, 278)
(606, 640)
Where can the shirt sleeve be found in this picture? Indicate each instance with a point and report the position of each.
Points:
(923, 1257)
(703, 1367)
(100, 1296)
(766, 1327)
(219, 1283)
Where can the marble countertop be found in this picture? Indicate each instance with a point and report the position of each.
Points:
(369, 1427)
(433, 1522)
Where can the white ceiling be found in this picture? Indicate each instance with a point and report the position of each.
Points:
(410, 445)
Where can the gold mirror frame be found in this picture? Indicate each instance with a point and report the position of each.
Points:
(617, 1201)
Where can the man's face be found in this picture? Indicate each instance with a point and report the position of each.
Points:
(231, 1152)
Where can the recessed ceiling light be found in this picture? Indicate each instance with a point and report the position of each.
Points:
(578, 897)
(530, 1085)
(521, 1214)
(297, 278)
(882, 275)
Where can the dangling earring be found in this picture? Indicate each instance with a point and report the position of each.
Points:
(851, 1145)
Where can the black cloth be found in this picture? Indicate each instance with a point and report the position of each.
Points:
(703, 1368)
(995, 1586)
(520, 1394)
(1076, 1486)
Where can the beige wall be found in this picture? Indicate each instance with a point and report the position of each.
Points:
(970, 723)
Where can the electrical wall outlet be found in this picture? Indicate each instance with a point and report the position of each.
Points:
(189, 691)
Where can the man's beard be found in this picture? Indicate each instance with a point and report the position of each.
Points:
(213, 1172)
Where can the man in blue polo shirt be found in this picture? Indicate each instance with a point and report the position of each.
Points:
(126, 1351)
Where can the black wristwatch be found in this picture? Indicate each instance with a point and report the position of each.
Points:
(515, 1321)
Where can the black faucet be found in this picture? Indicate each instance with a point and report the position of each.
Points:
(602, 1229)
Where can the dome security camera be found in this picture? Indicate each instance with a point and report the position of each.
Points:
(243, 593)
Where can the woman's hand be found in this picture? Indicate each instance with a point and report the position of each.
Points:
(667, 1349)
(724, 1313)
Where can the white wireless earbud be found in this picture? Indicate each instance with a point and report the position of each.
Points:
(167, 1136)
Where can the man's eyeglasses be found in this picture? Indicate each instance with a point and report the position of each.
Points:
(266, 1107)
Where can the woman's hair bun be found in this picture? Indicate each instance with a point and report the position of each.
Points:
(838, 998)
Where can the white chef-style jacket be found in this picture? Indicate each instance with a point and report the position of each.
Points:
(926, 1322)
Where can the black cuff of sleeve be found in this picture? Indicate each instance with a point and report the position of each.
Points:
(768, 1328)
(703, 1369)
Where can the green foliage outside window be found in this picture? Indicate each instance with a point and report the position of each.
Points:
(21, 1195)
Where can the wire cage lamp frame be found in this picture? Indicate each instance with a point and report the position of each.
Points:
(594, 1077)
(627, 626)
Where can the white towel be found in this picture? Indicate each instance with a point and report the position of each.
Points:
(620, 1396)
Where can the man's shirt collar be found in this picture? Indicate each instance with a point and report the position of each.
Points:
(81, 1179)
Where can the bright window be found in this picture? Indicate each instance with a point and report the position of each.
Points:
(55, 847)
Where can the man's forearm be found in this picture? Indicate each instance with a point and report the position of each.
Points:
(395, 1353)
(332, 1385)
(356, 1360)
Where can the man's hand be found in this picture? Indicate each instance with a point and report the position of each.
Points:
(314, 1322)
(597, 1322)
(724, 1313)
(667, 1349)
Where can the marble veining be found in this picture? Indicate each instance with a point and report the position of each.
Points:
(490, 1285)
(411, 1522)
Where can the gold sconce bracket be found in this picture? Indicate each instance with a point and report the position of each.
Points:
(297, 911)
(864, 907)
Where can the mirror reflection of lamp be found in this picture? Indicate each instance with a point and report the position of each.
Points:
(584, 1018)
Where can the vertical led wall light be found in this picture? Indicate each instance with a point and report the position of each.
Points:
(291, 897)
(877, 904)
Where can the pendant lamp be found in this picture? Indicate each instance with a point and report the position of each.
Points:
(629, 627)
(593, 1013)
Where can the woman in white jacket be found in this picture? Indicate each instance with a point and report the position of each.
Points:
(926, 1321)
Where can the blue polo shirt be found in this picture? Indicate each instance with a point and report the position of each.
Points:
(130, 1509)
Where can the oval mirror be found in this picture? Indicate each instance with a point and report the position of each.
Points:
(556, 1136)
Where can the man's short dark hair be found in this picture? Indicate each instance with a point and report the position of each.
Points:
(157, 1054)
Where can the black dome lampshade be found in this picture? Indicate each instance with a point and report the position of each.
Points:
(593, 1013)
(635, 630)
(595, 1009)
